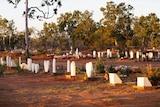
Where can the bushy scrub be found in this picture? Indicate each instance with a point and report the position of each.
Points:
(99, 67)
(2, 69)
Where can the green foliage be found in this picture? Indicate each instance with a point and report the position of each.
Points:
(99, 67)
(154, 76)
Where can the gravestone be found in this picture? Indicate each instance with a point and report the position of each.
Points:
(19, 60)
(143, 82)
(89, 69)
(29, 63)
(46, 65)
(114, 79)
(33, 67)
(24, 66)
(13, 64)
(54, 65)
(108, 53)
(68, 66)
(137, 54)
(94, 54)
(73, 68)
(36, 67)
(131, 54)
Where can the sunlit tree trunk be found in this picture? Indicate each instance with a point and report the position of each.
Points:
(26, 32)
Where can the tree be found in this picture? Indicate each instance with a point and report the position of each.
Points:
(118, 22)
(30, 12)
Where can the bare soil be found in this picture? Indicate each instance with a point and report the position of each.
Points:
(47, 90)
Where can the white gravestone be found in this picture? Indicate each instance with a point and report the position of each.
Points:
(137, 54)
(54, 65)
(19, 60)
(89, 69)
(73, 68)
(36, 67)
(33, 67)
(68, 66)
(94, 54)
(131, 54)
(143, 82)
(29, 63)
(114, 78)
(46, 65)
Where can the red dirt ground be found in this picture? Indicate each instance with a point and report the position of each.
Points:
(48, 90)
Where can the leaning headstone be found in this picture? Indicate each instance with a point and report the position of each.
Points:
(54, 65)
(143, 82)
(68, 66)
(46, 65)
(29, 63)
(114, 79)
(36, 66)
(73, 68)
(89, 69)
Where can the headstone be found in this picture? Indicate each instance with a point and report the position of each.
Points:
(13, 64)
(137, 54)
(89, 69)
(54, 65)
(131, 54)
(19, 60)
(114, 79)
(94, 54)
(73, 68)
(77, 53)
(108, 53)
(150, 55)
(126, 54)
(29, 62)
(46, 65)
(2, 61)
(143, 82)
(24, 66)
(36, 66)
(33, 67)
(68, 66)
(99, 54)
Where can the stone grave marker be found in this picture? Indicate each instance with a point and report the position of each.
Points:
(114, 79)
(73, 68)
(46, 65)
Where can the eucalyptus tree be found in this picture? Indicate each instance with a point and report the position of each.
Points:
(31, 13)
(147, 28)
(7, 30)
(118, 22)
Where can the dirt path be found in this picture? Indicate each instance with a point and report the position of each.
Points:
(46, 90)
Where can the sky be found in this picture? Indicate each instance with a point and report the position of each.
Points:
(141, 7)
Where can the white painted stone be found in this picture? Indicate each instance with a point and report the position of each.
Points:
(29, 62)
(143, 82)
(131, 54)
(73, 68)
(54, 65)
(137, 54)
(33, 67)
(108, 53)
(13, 64)
(7, 60)
(2, 61)
(150, 55)
(19, 60)
(94, 54)
(99, 54)
(68, 66)
(24, 66)
(46, 65)
(89, 69)
(114, 78)
(36, 66)
(126, 54)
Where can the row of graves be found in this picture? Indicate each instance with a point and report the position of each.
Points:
(114, 78)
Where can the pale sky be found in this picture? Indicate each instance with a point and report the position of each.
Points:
(141, 7)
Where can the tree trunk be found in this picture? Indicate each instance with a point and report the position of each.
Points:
(26, 32)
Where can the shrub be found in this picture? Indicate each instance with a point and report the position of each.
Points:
(99, 67)
(2, 69)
